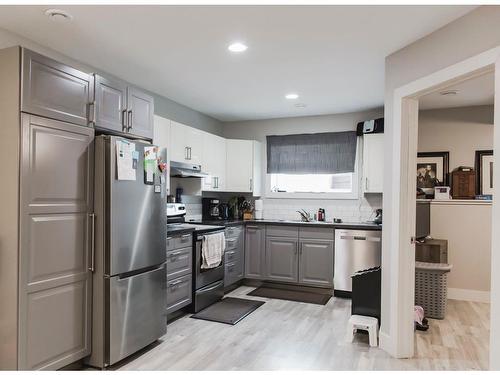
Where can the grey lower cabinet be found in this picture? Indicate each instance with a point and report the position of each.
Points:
(303, 255)
(234, 256)
(55, 90)
(316, 262)
(281, 259)
(179, 272)
(255, 251)
(122, 108)
(55, 243)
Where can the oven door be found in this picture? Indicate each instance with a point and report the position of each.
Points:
(206, 276)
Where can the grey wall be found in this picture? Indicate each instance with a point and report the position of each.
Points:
(468, 36)
(163, 106)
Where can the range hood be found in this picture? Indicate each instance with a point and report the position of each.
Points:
(178, 169)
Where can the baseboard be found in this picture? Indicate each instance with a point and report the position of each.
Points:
(469, 295)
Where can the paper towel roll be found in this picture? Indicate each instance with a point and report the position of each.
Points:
(259, 204)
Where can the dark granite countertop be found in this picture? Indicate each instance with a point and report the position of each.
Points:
(345, 225)
(178, 229)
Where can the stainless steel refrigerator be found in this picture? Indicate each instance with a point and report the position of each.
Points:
(129, 280)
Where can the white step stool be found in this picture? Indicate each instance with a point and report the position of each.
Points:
(366, 323)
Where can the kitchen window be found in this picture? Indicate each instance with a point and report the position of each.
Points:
(322, 166)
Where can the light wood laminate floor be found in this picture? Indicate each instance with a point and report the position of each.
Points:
(284, 335)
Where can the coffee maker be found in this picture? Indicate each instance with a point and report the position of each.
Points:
(210, 208)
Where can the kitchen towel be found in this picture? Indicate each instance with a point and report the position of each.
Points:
(212, 250)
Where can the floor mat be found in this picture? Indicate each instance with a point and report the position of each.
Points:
(291, 295)
(229, 310)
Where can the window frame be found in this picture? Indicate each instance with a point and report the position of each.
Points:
(353, 195)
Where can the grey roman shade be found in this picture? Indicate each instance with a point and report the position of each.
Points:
(320, 153)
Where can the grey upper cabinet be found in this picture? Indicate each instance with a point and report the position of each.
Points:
(110, 104)
(55, 243)
(281, 259)
(316, 262)
(140, 113)
(255, 251)
(54, 90)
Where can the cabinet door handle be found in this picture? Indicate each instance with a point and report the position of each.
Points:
(366, 183)
(124, 120)
(92, 243)
(92, 113)
(129, 122)
(250, 184)
(190, 150)
(186, 153)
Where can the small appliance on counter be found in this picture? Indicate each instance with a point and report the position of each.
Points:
(224, 211)
(210, 209)
(259, 209)
(378, 216)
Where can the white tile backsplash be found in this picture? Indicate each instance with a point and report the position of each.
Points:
(348, 210)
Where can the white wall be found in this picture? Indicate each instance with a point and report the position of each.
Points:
(467, 227)
(468, 36)
(285, 208)
(461, 131)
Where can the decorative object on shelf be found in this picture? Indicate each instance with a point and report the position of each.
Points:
(484, 172)
(463, 183)
(442, 193)
(432, 171)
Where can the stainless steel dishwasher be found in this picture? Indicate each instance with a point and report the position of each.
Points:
(355, 250)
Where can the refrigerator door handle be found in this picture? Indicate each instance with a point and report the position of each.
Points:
(92, 242)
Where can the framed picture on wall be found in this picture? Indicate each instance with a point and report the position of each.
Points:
(432, 170)
(484, 172)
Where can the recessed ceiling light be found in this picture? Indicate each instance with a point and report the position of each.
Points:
(237, 47)
(292, 96)
(300, 105)
(58, 15)
(449, 92)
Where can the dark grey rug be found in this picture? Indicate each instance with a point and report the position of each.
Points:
(229, 310)
(291, 295)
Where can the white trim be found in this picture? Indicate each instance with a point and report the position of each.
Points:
(469, 295)
(399, 341)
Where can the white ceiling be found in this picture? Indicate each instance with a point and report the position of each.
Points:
(333, 56)
(475, 91)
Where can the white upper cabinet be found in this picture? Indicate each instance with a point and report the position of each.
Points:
(214, 162)
(186, 144)
(373, 163)
(243, 166)
(161, 138)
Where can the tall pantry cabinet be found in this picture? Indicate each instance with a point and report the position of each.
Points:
(46, 218)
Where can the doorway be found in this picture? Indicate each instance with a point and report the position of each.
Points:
(399, 248)
(454, 191)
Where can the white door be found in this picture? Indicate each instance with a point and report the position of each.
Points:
(214, 162)
(373, 163)
(178, 142)
(161, 138)
(239, 165)
(194, 142)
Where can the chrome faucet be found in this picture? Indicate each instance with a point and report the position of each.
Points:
(304, 215)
